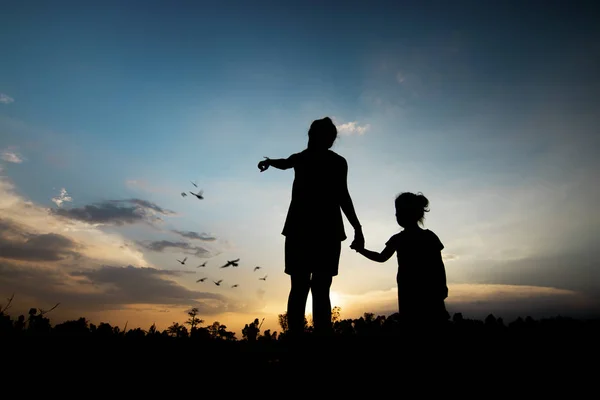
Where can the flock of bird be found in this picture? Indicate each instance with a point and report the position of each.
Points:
(229, 263)
(199, 195)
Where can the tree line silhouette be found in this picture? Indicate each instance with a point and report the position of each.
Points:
(365, 341)
(368, 325)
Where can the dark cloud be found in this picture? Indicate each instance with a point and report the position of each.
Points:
(117, 212)
(147, 205)
(161, 245)
(510, 308)
(538, 306)
(107, 288)
(131, 285)
(195, 235)
(17, 244)
(572, 271)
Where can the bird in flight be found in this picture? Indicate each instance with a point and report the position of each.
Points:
(236, 285)
(218, 283)
(199, 195)
(231, 262)
(256, 269)
(264, 278)
(202, 265)
(183, 194)
(201, 280)
(194, 183)
(182, 262)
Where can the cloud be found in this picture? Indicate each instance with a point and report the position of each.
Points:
(351, 128)
(479, 300)
(107, 288)
(25, 223)
(46, 259)
(570, 271)
(195, 235)
(117, 212)
(62, 197)
(17, 244)
(131, 285)
(161, 245)
(400, 77)
(6, 99)
(449, 257)
(12, 157)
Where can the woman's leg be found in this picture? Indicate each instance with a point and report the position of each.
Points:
(328, 259)
(297, 302)
(320, 286)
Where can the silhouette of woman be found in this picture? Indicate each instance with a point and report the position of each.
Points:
(314, 228)
(421, 276)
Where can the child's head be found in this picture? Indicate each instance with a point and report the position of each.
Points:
(411, 208)
(322, 134)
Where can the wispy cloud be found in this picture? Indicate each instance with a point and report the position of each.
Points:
(6, 99)
(117, 212)
(195, 235)
(449, 256)
(400, 77)
(162, 245)
(62, 197)
(11, 156)
(351, 128)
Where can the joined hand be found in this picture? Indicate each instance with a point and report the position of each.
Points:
(359, 241)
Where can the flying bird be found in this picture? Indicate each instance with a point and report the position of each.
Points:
(218, 283)
(182, 261)
(236, 285)
(183, 194)
(193, 183)
(199, 195)
(264, 278)
(231, 262)
(202, 265)
(256, 268)
(201, 280)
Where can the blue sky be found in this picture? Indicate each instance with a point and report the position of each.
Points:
(489, 110)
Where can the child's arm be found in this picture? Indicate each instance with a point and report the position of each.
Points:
(378, 257)
(279, 163)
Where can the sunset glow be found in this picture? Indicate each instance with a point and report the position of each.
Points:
(113, 117)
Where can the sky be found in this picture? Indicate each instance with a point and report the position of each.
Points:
(110, 110)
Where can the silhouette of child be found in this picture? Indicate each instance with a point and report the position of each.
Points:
(314, 228)
(421, 276)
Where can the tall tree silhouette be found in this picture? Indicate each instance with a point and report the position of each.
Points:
(193, 321)
(251, 331)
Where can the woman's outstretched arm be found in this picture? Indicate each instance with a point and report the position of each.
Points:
(279, 163)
